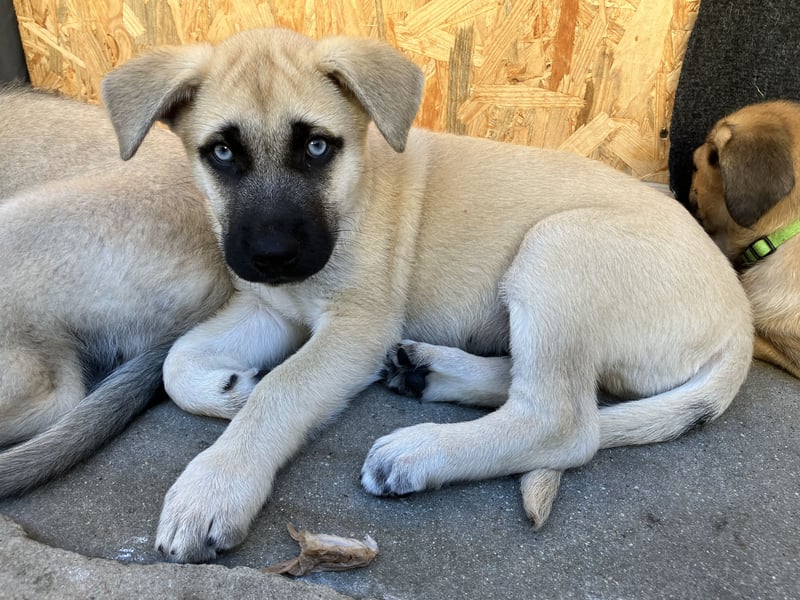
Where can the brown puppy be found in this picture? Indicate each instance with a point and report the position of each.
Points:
(745, 195)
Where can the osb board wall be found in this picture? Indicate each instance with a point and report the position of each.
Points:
(593, 76)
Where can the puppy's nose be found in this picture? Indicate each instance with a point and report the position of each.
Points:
(272, 254)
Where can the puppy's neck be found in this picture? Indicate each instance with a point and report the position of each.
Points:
(740, 238)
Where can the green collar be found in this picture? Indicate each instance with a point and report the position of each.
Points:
(764, 246)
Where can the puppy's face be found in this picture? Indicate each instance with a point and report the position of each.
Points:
(278, 148)
(276, 126)
(744, 170)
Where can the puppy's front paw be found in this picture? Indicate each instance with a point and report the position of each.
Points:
(219, 392)
(405, 371)
(234, 390)
(207, 510)
(405, 461)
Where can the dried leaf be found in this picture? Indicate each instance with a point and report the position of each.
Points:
(321, 552)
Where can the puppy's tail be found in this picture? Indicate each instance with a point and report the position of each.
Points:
(701, 399)
(659, 418)
(105, 412)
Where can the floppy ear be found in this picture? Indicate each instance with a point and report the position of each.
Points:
(151, 87)
(386, 84)
(756, 167)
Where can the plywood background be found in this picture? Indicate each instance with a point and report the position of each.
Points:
(593, 76)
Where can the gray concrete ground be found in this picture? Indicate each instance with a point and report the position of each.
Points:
(711, 515)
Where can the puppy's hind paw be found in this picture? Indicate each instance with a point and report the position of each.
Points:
(405, 461)
(404, 370)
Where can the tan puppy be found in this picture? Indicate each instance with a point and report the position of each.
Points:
(744, 190)
(338, 238)
(104, 265)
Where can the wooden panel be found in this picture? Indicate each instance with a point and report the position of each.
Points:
(596, 77)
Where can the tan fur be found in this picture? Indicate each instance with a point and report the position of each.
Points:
(103, 262)
(445, 259)
(758, 157)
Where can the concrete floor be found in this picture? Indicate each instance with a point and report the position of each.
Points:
(711, 515)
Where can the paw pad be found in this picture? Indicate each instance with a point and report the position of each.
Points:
(403, 375)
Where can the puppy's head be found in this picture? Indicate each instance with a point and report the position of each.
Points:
(744, 169)
(275, 125)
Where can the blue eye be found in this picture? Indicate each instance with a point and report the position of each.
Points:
(317, 147)
(222, 153)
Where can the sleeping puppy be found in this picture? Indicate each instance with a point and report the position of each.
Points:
(104, 264)
(745, 195)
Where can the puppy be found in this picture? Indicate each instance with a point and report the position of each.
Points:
(745, 194)
(104, 265)
(526, 278)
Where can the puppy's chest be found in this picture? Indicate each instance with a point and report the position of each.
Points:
(291, 303)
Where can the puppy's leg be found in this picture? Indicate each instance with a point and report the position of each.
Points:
(550, 423)
(768, 351)
(35, 391)
(583, 309)
(212, 369)
(550, 418)
(443, 374)
(211, 505)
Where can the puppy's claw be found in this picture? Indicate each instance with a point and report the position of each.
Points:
(229, 385)
(403, 462)
(206, 549)
(377, 483)
(402, 357)
(404, 374)
(208, 509)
